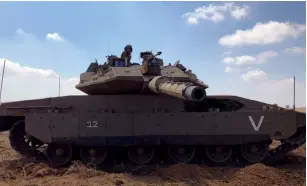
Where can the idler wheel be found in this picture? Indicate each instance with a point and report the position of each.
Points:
(141, 155)
(254, 153)
(58, 154)
(219, 154)
(93, 155)
(181, 154)
(21, 142)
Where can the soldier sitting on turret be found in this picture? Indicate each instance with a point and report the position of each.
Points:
(126, 54)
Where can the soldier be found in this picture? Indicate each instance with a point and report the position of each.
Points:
(126, 54)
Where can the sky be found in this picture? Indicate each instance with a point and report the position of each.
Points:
(248, 49)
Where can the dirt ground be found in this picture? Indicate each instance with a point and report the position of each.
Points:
(14, 170)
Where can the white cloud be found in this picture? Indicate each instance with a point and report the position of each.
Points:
(258, 85)
(241, 60)
(30, 50)
(280, 92)
(254, 75)
(54, 36)
(22, 82)
(295, 50)
(228, 60)
(260, 58)
(216, 13)
(239, 12)
(261, 87)
(13, 69)
(20, 32)
(34, 65)
(263, 57)
(228, 69)
(264, 33)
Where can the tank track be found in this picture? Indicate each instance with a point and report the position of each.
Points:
(288, 145)
(276, 154)
(273, 156)
(22, 143)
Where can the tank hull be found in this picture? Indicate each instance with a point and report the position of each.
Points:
(161, 128)
(151, 121)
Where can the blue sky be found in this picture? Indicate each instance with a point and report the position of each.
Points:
(87, 27)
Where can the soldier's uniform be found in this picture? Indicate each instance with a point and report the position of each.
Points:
(126, 54)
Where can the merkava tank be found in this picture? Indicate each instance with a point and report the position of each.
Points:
(149, 112)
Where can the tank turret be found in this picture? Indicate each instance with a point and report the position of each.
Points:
(117, 76)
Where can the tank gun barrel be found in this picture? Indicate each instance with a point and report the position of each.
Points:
(179, 90)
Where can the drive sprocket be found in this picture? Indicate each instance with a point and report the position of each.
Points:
(23, 143)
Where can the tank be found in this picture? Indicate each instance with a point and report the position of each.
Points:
(149, 113)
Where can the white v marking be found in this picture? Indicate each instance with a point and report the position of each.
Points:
(256, 127)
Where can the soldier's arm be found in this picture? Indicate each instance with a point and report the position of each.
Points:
(123, 55)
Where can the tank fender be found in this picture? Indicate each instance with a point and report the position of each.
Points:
(300, 119)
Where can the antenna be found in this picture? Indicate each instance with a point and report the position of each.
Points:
(2, 80)
(59, 86)
(294, 93)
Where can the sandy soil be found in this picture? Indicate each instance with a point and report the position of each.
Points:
(301, 109)
(15, 170)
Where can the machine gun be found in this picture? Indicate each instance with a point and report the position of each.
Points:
(151, 65)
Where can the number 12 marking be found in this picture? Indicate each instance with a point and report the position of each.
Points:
(92, 124)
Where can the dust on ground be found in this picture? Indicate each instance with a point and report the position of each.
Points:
(15, 170)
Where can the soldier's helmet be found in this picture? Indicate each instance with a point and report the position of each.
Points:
(128, 48)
